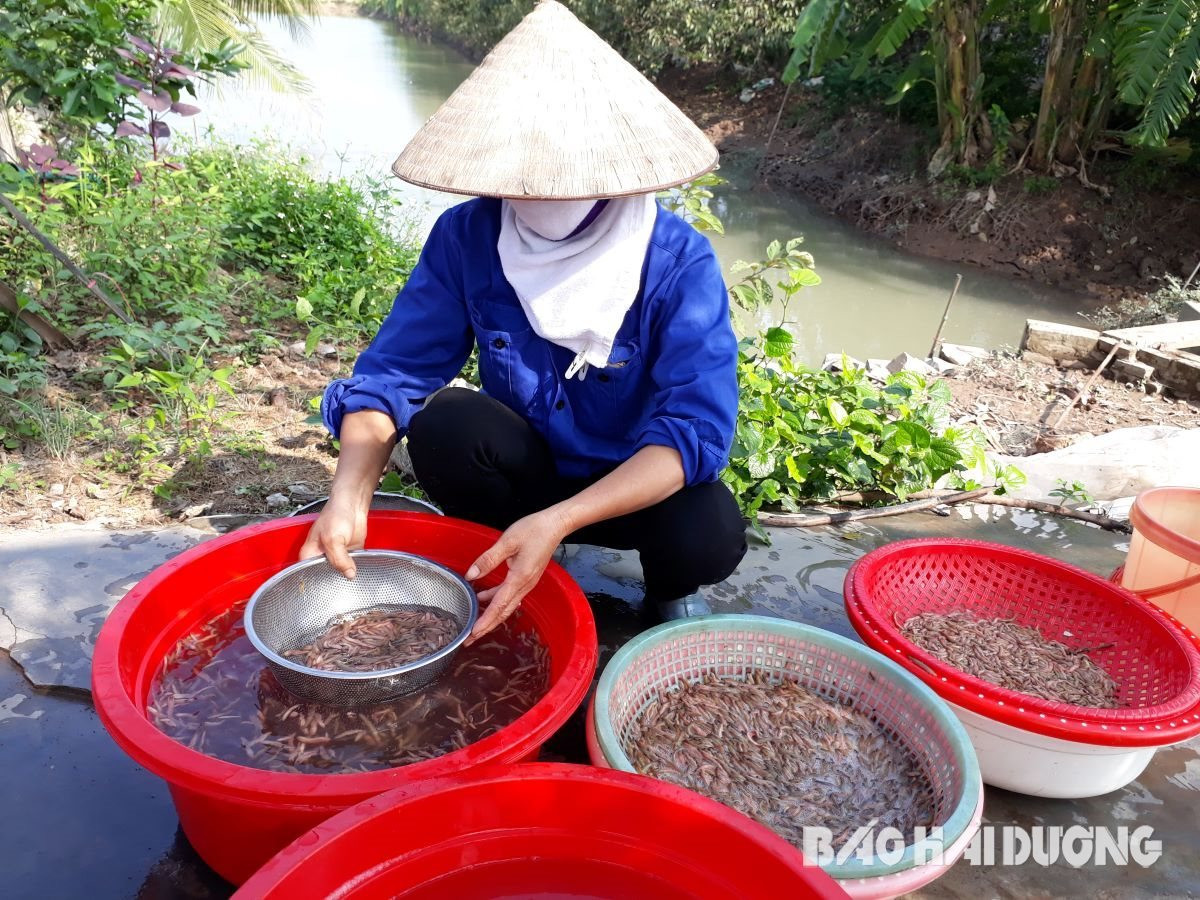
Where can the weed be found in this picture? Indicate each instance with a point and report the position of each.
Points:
(56, 425)
(1037, 185)
(1071, 492)
(8, 475)
(1162, 305)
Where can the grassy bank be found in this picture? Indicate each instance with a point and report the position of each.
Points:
(220, 259)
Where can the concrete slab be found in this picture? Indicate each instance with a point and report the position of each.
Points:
(57, 587)
(81, 819)
(91, 823)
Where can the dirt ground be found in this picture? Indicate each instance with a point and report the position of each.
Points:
(271, 447)
(1018, 404)
(1111, 241)
(268, 446)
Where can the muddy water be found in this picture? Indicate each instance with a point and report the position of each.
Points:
(372, 87)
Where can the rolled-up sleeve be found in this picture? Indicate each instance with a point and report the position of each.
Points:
(421, 345)
(693, 353)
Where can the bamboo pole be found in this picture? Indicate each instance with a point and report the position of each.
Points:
(1087, 386)
(57, 252)
(1188, 283)
(775, 127)
(937, 338)
(934, 498)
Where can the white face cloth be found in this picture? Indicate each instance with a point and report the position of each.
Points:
(576, 292)
(553, 219)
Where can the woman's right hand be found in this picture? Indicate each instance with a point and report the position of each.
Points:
(367, 439)
(341, 527)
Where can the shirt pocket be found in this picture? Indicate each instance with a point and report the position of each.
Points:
(619, 393)
(507, 347)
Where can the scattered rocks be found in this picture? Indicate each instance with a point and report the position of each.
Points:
(962, 354)
(839, 362)
(57, 489)
(906, 362)
(302, 491)
(278, 501)
(941, 366)
(277, 397)
(194, 510)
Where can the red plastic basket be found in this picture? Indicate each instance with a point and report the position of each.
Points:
(1153, 658)
(539, 830)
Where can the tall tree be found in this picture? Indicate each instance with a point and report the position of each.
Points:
(951, 29)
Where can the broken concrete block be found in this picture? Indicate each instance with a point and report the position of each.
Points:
(1059, 341)
(906, 362)
(962, 354)
(941, 366)
(1132, 370)
(834, 362)
(1030, 356)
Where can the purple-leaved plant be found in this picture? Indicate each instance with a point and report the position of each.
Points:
(162, 80)
(42, 161)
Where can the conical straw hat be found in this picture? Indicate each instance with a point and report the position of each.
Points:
(554, 113)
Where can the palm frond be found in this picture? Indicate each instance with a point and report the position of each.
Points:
(1171, 98)
(1157, 63)
(909, 16)
(204, 24)
(294, 14)
(1150, 34)
(197, 24)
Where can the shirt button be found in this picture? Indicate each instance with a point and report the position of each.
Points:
(499, 344)
(560, 404)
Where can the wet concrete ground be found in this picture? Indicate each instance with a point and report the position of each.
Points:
(84, 821)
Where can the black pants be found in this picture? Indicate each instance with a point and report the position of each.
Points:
(480, 461)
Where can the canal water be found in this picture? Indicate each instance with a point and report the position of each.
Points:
(372, 87)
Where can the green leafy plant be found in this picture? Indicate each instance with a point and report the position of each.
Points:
(1037, 185)
(690, 201)
(805, 434)
(343, 245)
(8, 475)
(64, 55)
(1071, 492)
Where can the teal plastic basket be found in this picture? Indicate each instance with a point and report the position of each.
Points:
(735, 646)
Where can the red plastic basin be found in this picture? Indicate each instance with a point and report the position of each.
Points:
(237, 817)
(541, 830)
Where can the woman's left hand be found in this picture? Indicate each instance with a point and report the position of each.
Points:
(527, 547)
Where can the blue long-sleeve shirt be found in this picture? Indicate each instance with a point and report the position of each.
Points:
(671, 378)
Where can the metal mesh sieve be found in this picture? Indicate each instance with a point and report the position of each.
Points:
(295, 606)
(380, 500)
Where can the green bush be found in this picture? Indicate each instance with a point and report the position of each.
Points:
(806, 435)
(342, 245)
(162, 240)
(63, 55)
(216, 236)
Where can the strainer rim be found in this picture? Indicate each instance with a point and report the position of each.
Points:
(372, 674)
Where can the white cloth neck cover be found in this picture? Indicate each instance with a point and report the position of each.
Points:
(576, 292)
